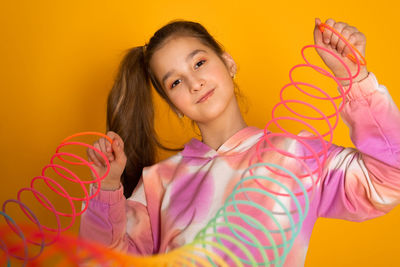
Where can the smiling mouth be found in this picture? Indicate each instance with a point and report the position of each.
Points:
(206, 96)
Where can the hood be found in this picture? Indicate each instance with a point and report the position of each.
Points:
(237, 143)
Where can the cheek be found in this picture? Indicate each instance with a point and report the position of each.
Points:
(222, 75)
(219, 70)
(180, 101)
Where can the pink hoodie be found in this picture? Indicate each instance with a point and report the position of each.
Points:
(178, 196)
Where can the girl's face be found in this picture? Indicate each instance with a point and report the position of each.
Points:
(194, 78)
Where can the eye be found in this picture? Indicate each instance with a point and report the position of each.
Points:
(201, 61)
(174, 84)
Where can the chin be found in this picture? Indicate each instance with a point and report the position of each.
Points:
(213, 113)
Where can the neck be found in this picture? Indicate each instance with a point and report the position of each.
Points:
(216, 132)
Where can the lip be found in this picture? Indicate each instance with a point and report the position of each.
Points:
(206, 96)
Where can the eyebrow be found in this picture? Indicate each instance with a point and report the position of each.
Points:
(191, 54)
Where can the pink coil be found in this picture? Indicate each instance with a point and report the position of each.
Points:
(42, 236)
(315, 154)
(52, 233)
(266, 145)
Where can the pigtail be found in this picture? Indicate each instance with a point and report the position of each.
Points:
(130, 114)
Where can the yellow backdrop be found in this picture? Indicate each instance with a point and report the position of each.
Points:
(58, 61)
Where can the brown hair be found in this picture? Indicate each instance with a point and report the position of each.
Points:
(130, 110)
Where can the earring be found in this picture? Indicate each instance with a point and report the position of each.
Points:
(180, 115)
(234, 75)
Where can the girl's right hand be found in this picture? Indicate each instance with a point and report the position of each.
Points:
(116, 156)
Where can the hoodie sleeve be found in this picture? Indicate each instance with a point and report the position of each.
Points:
(364, 182)
(117, 223)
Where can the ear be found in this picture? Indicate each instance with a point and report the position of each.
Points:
(230, 63)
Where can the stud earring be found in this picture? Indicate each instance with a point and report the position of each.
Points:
(180, 115)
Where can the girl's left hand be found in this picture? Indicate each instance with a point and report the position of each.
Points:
(331, 41)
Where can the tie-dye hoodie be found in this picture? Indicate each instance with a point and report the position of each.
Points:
(178, 196)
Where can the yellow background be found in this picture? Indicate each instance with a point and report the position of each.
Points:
(58, 60)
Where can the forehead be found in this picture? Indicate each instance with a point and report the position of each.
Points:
(173, 53)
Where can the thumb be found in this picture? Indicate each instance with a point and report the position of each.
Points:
(317, 32)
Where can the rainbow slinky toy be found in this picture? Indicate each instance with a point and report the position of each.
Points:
(222, 242)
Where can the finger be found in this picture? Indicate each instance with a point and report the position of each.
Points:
(110, 151)
(94, 169)
(109, 146)
(116, 137)
(346, 49)
(103, 144)
(339, 26)
(327, 34)
(355, 39)
(346, 33)
(317, 31)
(118, 147)
(112, 134)
(92, 157)
(98, 155)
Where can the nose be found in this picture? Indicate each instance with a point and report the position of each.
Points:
(197, 84)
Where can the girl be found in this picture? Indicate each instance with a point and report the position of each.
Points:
(176, 197)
